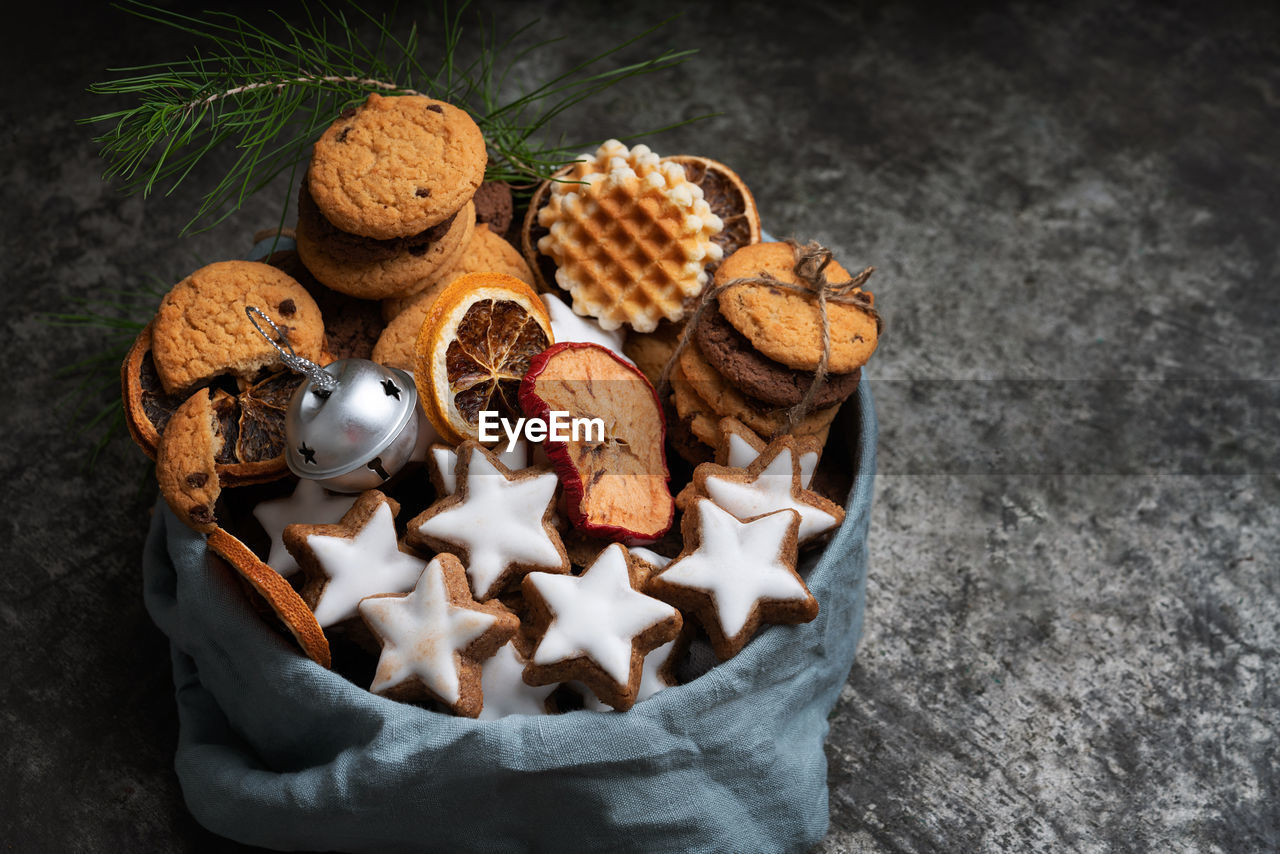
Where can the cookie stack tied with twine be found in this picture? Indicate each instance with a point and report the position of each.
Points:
(386, 205)
(777, 342)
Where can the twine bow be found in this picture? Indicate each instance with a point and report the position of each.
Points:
(810, 270)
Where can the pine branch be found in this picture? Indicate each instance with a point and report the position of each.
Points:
(267, 97)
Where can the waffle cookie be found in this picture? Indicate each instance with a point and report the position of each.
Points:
(630, 237)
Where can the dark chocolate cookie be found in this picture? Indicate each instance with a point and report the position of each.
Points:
(730, 353)
(494, 206)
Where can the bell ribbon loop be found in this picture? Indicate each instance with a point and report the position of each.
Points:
(322, 382)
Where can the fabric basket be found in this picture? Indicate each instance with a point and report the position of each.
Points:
(276, 751)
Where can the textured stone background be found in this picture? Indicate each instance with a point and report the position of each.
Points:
(1073, 611)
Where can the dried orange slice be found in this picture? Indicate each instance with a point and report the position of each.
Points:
(474, 349)
(729, 198)
(253, 429)
(544, 269)
(277, 592)
(147, 406)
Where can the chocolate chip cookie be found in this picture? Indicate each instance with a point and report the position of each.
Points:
(396, 166)
(784, 325)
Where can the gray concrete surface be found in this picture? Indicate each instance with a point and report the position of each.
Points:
(1072, 614)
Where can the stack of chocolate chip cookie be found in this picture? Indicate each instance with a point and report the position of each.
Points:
(393, 209)
(755, 350)
(387, 202)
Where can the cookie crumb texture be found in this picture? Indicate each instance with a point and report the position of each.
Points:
(185, 466)
(397, 166)
(202, 330)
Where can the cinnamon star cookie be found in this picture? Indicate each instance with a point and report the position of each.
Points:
(740, 447)
(498, 521)
(435, 637)
(358, 557)
(596, 628)
(735, 575)
(771, 483)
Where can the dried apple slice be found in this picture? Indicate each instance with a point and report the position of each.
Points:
(615, 487)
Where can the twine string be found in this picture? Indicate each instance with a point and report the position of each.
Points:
(322, 382)
(810, 267)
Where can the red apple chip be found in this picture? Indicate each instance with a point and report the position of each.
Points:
(615, 484)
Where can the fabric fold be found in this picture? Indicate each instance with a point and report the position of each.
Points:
(276, 751)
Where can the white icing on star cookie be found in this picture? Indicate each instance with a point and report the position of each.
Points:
(498, 519)
(444, 463)
(771, 483)
(434, 637)
(735, 575)
(741, 455)
(741, 447)
(358, 557)
(505, 691)
(309, 504)
(567, 325)
(738, 563)
(653, 678)
(596, 627)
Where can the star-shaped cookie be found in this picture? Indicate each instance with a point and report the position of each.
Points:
(309, 504)
(435, 637)
(498, 522)
(770, 483)
(357, 557)
(506, 692)
(739, 447)
(735, 575)
(596, 628)
(442, 463)
(658, 673)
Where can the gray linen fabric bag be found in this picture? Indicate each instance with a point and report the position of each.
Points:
(274, 750)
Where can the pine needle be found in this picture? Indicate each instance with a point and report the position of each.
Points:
(267, 97)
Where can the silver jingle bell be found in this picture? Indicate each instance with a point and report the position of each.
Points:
(359, 434)
(352, 424)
